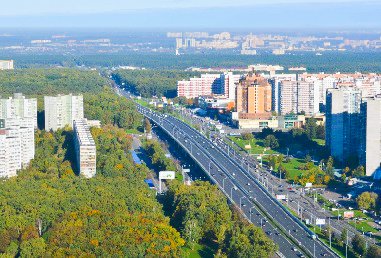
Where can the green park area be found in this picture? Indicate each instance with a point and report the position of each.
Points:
(257, 148)
(289, 153)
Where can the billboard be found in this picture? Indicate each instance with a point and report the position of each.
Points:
(308, 184)
(348, 214)
(320, 222)
(167, 175)
(248, 146)
(281, 197)
(186, 170)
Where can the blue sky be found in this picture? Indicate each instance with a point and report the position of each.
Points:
(191, 13)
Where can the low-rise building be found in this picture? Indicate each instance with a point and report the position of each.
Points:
(291, 121)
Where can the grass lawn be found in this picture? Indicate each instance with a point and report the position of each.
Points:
(363, 226)
(319, 141)
(293, 167)
(133, 131)
(256, 145)
(141, 102)
(198, 251)
(257, 148)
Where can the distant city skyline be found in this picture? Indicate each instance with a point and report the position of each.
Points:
(192, 13)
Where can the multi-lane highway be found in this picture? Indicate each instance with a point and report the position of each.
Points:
(239, 184)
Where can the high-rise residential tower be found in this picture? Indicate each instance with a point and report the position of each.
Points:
(370, 136)
(342, 122)
(19, 107)
(62, 110)
(85, 149)
(253, 95)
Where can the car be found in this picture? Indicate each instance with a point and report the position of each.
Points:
(198, 153)
(294, 249)
(248, 183)
(233, 174)
(324, 254)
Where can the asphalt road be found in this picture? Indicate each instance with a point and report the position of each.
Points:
(242, 188)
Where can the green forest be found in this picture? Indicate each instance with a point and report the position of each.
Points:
(148, 83)
(328, 62)
(50, 211)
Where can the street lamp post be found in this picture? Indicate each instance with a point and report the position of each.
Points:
(251, 212)
(231, 192)
(223, 182)
(240, 201)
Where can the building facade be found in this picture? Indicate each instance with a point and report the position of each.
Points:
(19, 107)
(209, 84)
(342, 122)
(6, 65)
(298, 97)
(85, 149)
(62, 110)
(370, 137)
(253, 95)
(17, 147)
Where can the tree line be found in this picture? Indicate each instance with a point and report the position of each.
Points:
(148, 83)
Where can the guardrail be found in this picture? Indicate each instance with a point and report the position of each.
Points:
(244, 192)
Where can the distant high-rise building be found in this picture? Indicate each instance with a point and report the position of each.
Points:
(342, 122)
(19, 107)
(370, 137)
(253, 95)
(62, 110)
(208, 84)
(85, 149)
(275, 82)
(6, 65)
(298, 96)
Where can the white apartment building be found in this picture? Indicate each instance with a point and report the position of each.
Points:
(19, 107)
(6, 65)
(229, 81)
(298, 96)
(62, 110)
(16, 145)
(85, 149)
(275, 82)
(370, 137)
(207, 84)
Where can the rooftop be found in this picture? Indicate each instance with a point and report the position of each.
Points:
(82, 131)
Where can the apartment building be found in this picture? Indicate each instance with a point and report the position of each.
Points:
(253, 95)
(17, 147)
(6, 65)
(85, 149)
(208, 84)
(19, 107)
(62, 110)
(275, 82)
(370, 136)
(342, 122)
(298, 96)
